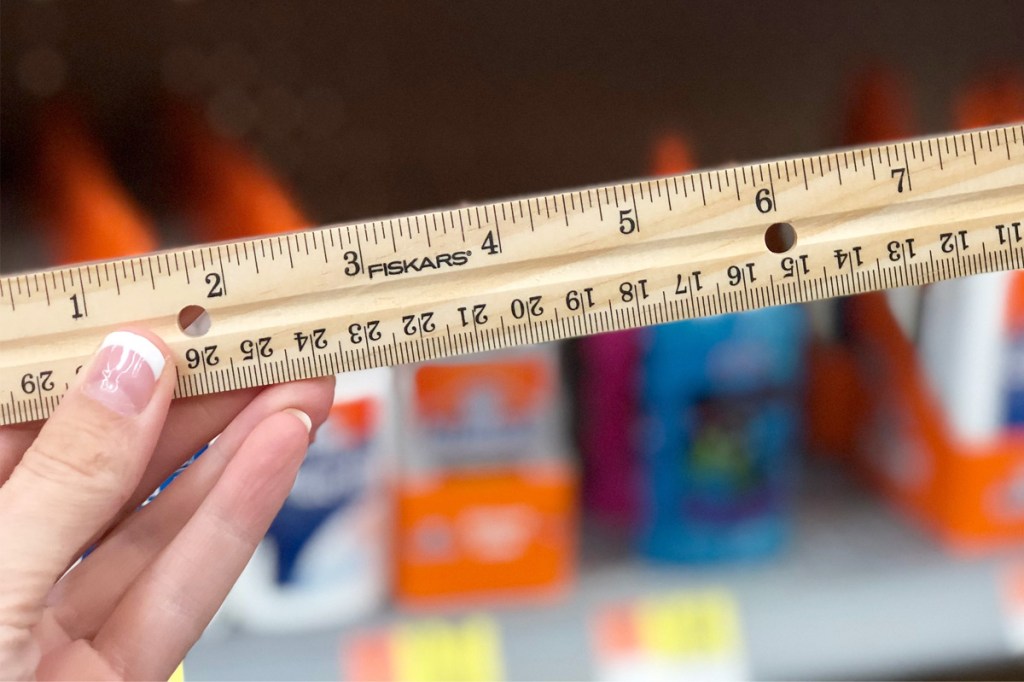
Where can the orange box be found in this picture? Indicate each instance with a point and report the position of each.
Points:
(970, 495)
(486, 499)
(486, 536)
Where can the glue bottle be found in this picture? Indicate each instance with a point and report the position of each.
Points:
(325, 559)
(721, 406)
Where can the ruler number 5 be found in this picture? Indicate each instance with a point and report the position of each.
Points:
(627, 223)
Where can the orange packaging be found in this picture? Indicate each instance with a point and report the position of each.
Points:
(877, 108)
(87, 213)
(969, 494)
(486, 499)
(225, 190)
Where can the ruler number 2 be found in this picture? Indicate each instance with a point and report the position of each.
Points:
(216, 284)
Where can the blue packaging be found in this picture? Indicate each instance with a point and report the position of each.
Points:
(720, 413)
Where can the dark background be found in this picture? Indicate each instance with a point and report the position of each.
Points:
(374, 108)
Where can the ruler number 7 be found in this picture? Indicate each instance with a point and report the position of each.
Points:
(902, 172)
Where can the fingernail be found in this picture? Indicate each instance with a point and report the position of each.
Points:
(302, 417)
(123, 374)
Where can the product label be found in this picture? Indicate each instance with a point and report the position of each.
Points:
(468, 414)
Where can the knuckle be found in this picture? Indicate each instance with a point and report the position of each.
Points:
(85, 454)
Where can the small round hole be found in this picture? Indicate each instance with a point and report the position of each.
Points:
(780, 237)
(194, 320)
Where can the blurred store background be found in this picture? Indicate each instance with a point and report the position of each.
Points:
(825, 491)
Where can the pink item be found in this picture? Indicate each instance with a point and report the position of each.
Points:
(608, 399)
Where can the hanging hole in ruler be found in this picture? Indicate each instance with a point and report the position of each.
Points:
(194, 320)
(780, 237)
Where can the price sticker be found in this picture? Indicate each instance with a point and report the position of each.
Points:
(686, 635)
(1011, 587)
(428, 651)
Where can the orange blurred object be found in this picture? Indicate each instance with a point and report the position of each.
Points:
(223, 188)
(671, 155)
(486, 502)
(991, 101)
(968, 494)
(88, 214)
(878, 108)
(486, 537)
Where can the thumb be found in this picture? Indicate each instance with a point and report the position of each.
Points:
(80, 470)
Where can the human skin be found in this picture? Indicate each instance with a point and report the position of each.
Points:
(156, 575)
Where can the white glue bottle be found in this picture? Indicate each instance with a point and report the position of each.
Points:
(325, 559)
(966, 345)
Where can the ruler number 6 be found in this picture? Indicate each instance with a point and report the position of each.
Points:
(763, 200)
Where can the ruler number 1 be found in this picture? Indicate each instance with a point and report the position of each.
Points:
(77, 313)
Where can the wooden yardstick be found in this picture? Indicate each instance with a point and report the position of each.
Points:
(478, 278)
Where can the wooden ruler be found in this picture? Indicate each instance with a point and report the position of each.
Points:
(479, 278)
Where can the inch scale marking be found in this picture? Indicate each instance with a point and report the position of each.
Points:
(420, 287)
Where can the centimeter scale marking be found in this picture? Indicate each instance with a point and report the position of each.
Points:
(420, 287)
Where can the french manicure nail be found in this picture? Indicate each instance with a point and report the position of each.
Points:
(123, 374)
(302, 417)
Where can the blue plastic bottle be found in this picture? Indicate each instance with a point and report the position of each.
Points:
(720, 414)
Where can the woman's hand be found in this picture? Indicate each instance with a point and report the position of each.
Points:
(137, 603)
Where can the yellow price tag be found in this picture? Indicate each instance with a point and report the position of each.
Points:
(179, 674)
(437, 650)
(689, 625)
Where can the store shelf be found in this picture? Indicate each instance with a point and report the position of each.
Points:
(859, 593)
